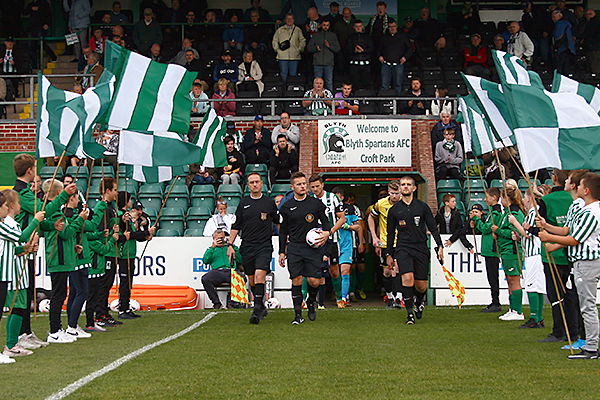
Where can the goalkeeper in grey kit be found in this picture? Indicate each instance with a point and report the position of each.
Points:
(299, 215)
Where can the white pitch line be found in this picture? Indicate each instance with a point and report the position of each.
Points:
(70, 389)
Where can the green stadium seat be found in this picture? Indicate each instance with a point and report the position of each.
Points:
(197, 217)
(203, 196)
(497, 183)
(151, 195)
(231, 209)
(280, 188)
(207, 202)
(260, 168)
(99, 171)
(449, 185)
(151, 188)
(476, 185)
(232, 201)
(548, 182)
(523, 184)
(92, 201)
(194, 232)
(95, 189)
(476, 198)
(95, 182)
(125, 171)
(48, 172)
(172, 218)
(179, 196)
(79, 172)
(229, 190)
(168, 232)
(128, 185)
(203, 190)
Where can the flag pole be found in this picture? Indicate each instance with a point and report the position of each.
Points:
(54, 176)
(87, 196)
(35, 193)
(469, 194)
(118, 222)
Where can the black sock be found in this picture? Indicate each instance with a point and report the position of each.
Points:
(312, 294)
(397, 285)
(322, 294)
(297, 299)
(388, 284)
(420, 297)
(408, 292)
(259, 294)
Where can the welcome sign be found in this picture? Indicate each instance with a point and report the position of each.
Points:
(364, 143)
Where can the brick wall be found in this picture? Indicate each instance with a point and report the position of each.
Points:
(17, 137)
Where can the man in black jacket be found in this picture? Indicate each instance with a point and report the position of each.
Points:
(257, 145)
(450, 222)
(394, 50)
(415, 106)
(359, 49)
(284, 160)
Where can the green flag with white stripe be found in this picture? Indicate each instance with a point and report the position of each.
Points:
(156, 149)
(478, 136)
(210, 139)
(512, 70)
(149, 96)
(591, 94)
(155, 174)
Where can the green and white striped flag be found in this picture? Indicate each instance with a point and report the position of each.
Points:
(155, 174)
(490, 99)
(478, 136)
(55, 125)
(591, 94)
(149, 96)
(512, 70)
(156, 149)
(210, 139)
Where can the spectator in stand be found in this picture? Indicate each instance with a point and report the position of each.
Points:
(250, 74)
(79, 20)
(297, 8)
(199, 107)
(591, 41)
(40, 20)
(538, 26)
(442, 102)
(257, 36)
(232, 172)
(97, 41)
(394, 50)
(220, 220)
(430, 32)
(561, 5)
(334, 15)
(519, 44)
(77, 88)
(261, 12)
(284, 160)
(450, 222)
(189, 29)
(343, 29)
(416, 106)
(317, 107)
(498, 43)
(445, 122)
(9, 64)
(411, 31)
(210, 34)
(193, 64)
(470, 22)
(83, 61)
(313, 22)
(117, 30)
(360, 49)
(324, 45)
(93, 67)
(378, 23)
(345, 106)
(106, 25)
(233, 35)
(562, 43)
(199, 175)
(288, 43)
(158, 7)
(227, 68)
(448, 157)
(476, 58)
(287, 128)
(186, 44)
(579, 29)
(221, 91)
(116, 16)
(146, 32)
(257, 145)
(155, 53)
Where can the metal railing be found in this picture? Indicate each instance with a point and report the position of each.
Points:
(32, 80)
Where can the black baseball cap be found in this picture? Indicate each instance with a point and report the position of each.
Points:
(477, 207)
(138, 206)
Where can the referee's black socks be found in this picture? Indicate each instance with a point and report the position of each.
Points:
(312, 294)
(388, 285)
(420, 296)
(259, 295)
(297, 298)
(409, 297)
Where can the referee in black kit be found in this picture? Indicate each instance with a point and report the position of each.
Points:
(255, 216)
(299, 215)
(407, 224)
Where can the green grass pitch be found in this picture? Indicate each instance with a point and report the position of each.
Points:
(345, 354)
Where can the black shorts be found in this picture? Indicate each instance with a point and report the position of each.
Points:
(333, 252)
(413, 261)
(303, 260)
(256, 257)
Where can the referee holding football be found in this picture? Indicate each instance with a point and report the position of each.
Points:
(407, 224)
(299, 215)
(255, 216)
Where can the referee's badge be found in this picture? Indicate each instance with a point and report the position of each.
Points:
(309, 218)
(263, 216)
(417, 220)
(402, 223)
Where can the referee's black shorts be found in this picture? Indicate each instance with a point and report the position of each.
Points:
(411, 260)
(332, 251)
(303, 260)
(256, 257)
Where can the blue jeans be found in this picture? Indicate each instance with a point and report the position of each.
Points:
(287, 68)
(325, 72)
(78, 291)
(392, 74)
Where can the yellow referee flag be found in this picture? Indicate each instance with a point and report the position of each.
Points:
(456, 288)
(238, 288)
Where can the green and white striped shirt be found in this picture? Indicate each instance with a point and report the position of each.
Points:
(574, 209)
(586, 230)
(333, 205)
(532, 246)
(13, 268)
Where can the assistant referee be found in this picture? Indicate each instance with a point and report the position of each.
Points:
(254, 217)
(407, 224)
(299, 215)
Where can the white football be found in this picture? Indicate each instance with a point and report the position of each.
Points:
(273, 303)
(44, 305)
(134, 305)
(114, 305)
(312, 236)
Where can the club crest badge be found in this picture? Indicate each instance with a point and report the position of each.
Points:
(309, 218)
